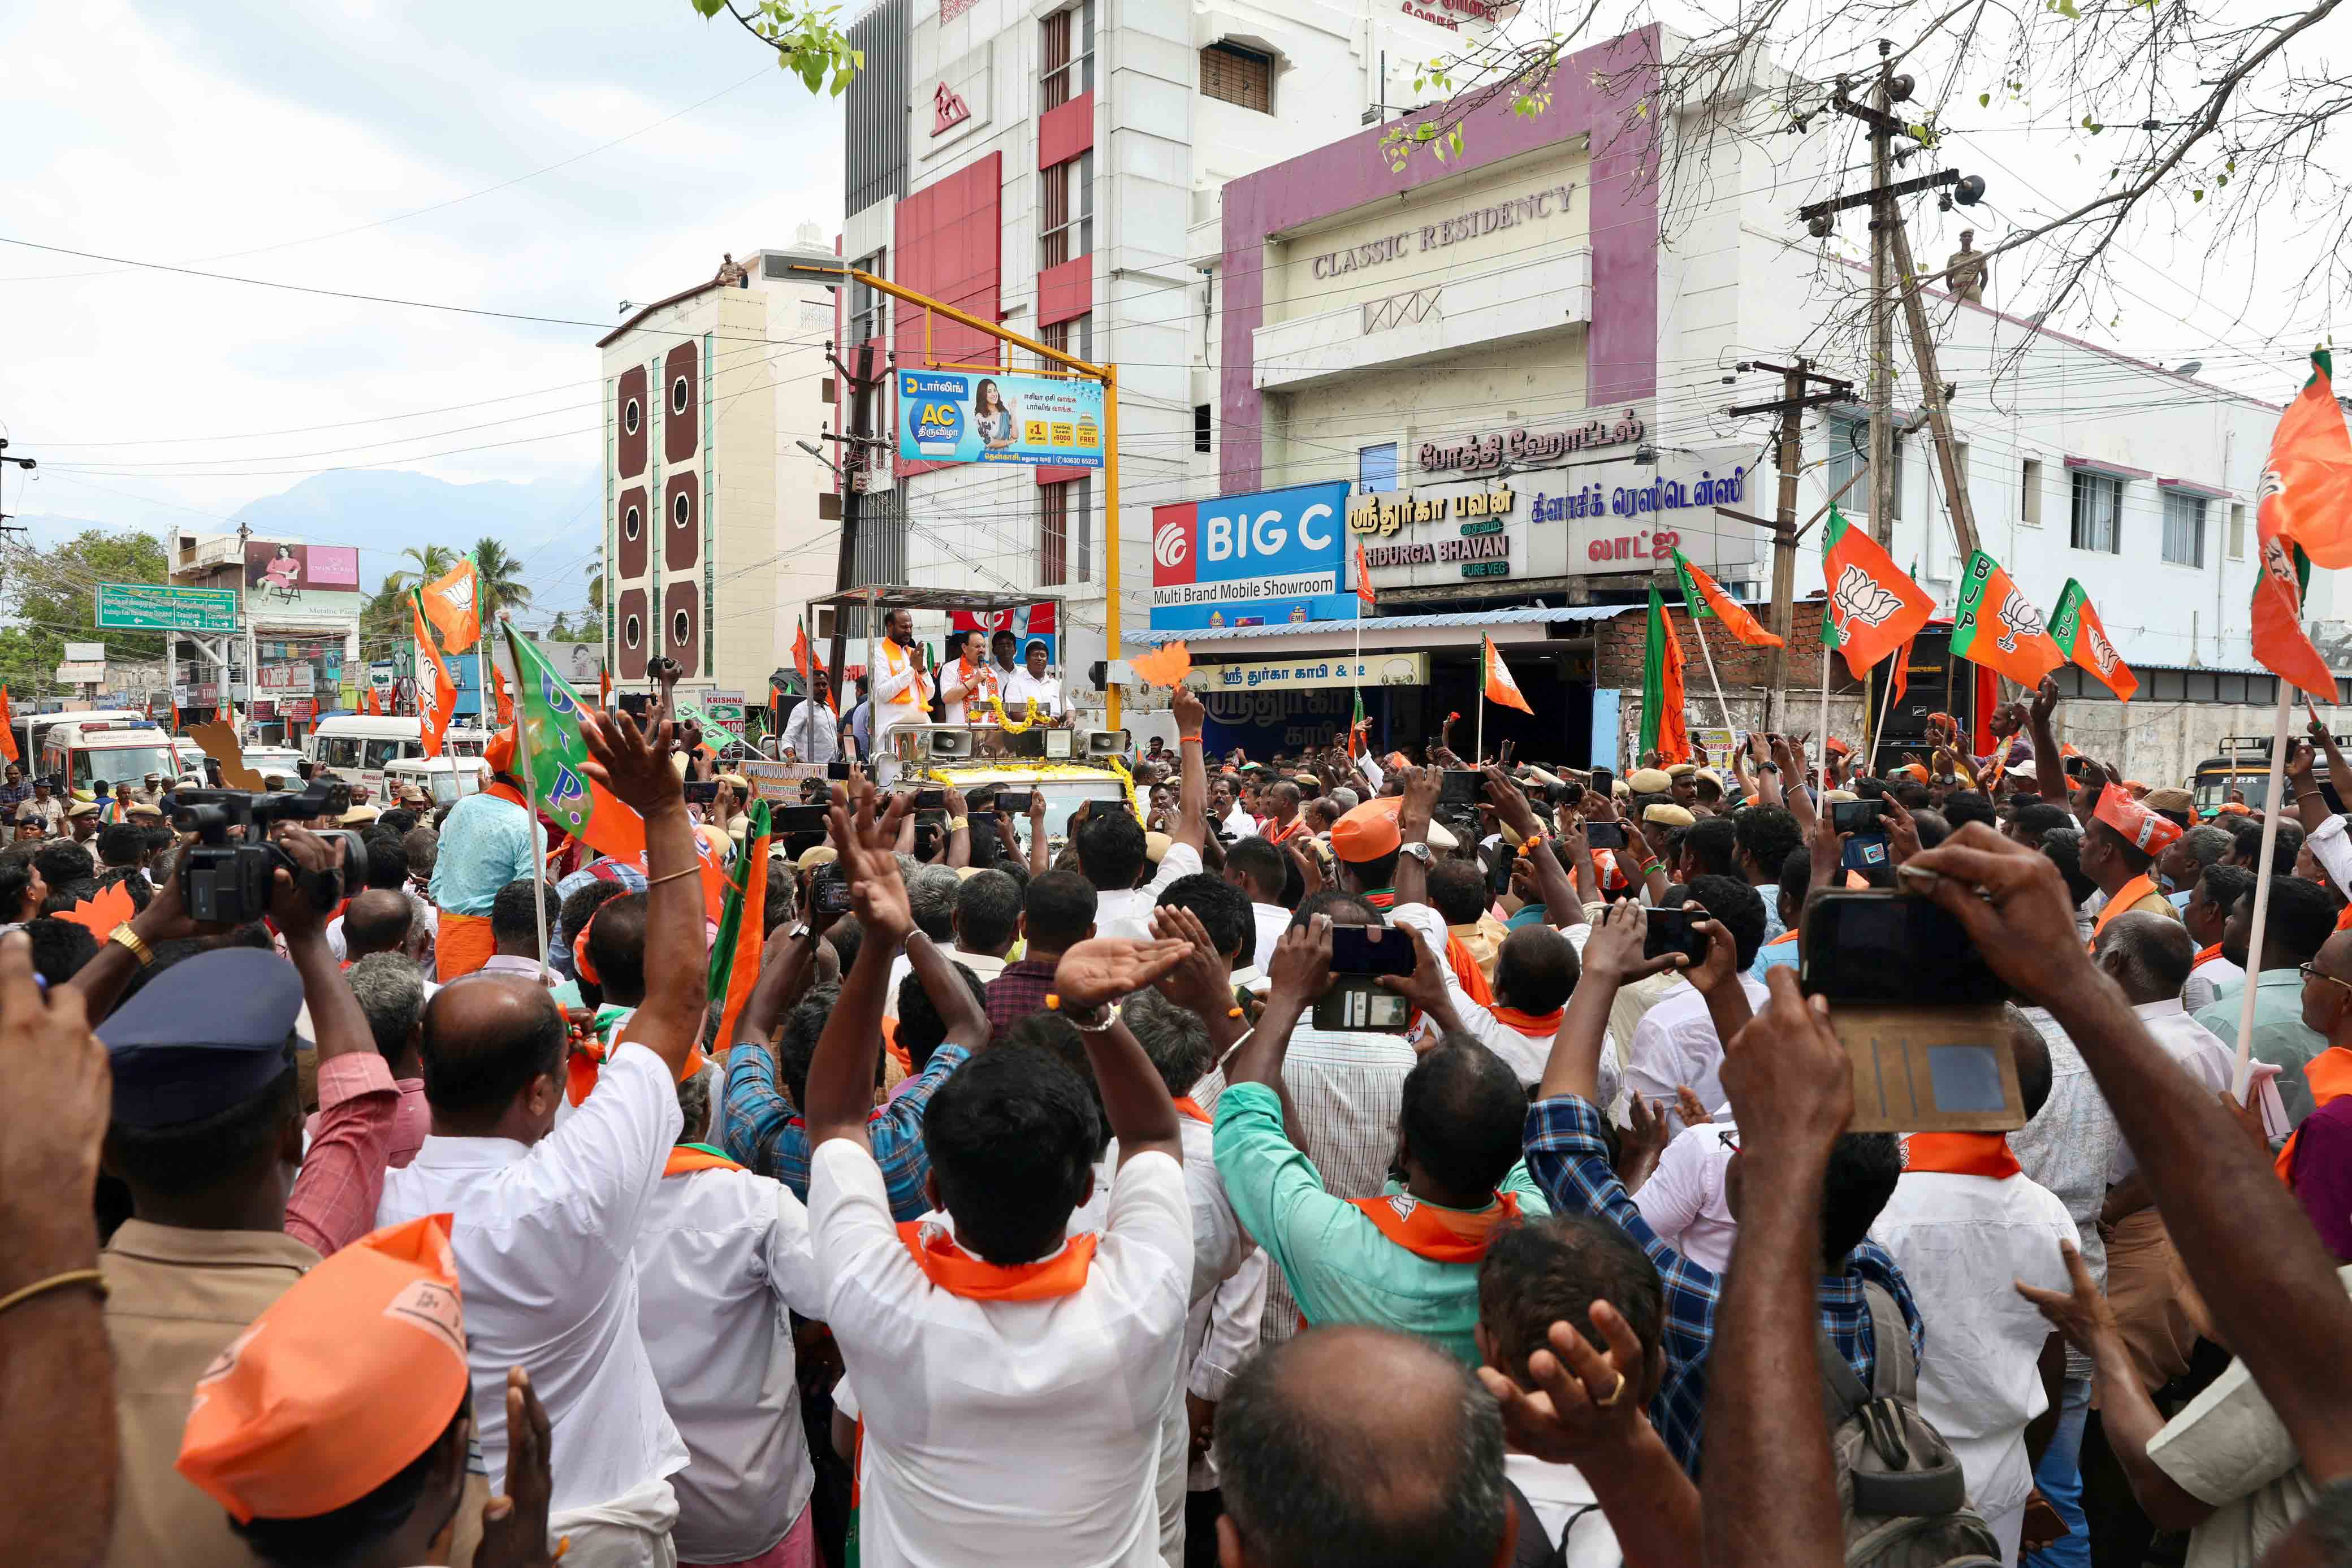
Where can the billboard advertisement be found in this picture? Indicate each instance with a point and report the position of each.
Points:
(964, 416)
(1248, 560)
(302, 578)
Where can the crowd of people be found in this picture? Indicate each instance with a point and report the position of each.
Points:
(1318, 1164)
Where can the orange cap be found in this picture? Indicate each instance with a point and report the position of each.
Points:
(1369, 831)
(500, 751)
(339, 1386)
(2140, 827)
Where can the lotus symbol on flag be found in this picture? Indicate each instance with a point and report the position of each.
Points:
(2017, 614)
(1168, 545)
(2280, 567)
(1862, 597)
(458, 595)
(2103, 653)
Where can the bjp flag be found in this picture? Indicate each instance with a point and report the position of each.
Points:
(436, 693)
(1705, 598)
(2075, 627)
(2303, 514)
(8, 729)
(1498, 685)
(1872, 607)
(453, 604)
(1998, 627)
(1364, 590)
(1665, 727)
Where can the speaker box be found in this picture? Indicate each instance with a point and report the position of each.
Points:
(1106, 743)
(945, 743)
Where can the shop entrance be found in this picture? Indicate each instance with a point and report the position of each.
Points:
(1556, 680)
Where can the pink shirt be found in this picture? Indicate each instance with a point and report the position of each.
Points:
(411, 1123)
(334, 1198)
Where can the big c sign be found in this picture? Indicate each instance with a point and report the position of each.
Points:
(1240, 561)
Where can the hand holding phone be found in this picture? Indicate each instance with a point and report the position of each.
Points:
(1670, 930)
(1370, 950)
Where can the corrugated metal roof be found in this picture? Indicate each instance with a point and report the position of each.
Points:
(1393, 624)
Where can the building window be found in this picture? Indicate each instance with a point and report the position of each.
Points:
(2030, 493)
(1064, 546)
(1376, 468)
(681, 510)
(1075, 337)
(631, 417)
(1238, 76)
(1065, 223)
(2184, 529)
(1066, 67)
(2237, 531)
(869, 308)
(1204, 425)
(677, 395)
(680, 628)
(1849, 456)
(630, 523)
(2098, 513)
(630, 630)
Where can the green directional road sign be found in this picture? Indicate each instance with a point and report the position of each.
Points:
(153, 607)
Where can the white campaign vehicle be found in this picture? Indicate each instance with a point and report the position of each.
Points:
(275, 762)
(92, 755)
(443, 778)
(357, 747)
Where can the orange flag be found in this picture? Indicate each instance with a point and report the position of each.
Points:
(801, 652)
(102, 915)
(8, 733)
(436, 693)
(1703, 596)
(1872, 607)
(1364, 578)
(452, 603)
(499, 690)
(1162, 666)
(2303, 514)
(1500, 686)
(1998, 627)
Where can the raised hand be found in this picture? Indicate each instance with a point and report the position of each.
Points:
(2014, 903)
(1199, 980)
(867, 843)
(1104, 968)
(1301, 968)
(1586, 1403)
(1789, 1082)
(1613, 952)
(514, 1522)
(630, 762)
(292, 905)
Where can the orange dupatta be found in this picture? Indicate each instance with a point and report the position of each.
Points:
(1188, 1106)
(2330, 1076)
(1962, 1154)
(687, 1158)
(2131, 892)
(1529, 1023)
(1465, 970)
(1440, 1235)
(958, 1273)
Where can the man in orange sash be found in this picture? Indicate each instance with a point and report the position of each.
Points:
(1407, 1260)
(2120, 853)
(486, 843)
(902, 689)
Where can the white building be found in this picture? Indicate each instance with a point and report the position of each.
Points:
(294, 652)
(716, 527)
(1047, 165)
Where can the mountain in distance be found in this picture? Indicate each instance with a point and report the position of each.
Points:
(549, 522)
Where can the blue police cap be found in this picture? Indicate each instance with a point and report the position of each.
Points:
(209, 1033)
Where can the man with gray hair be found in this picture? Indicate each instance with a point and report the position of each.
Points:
(393, 994)
(2184, 860)
(720, 1254)
(932, 898)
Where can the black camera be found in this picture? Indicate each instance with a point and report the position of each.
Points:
(661, 667)
(227, 882)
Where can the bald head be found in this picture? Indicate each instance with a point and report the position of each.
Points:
(1359, 1448)
(1282, 801)
(376, 922)
(2148, 955)
(493, 1052)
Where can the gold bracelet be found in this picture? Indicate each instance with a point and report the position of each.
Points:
(653, 882)
(129, 940)
(90, 1277)
(959, 825)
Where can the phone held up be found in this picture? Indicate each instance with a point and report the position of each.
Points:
(1918, 1010)
(1356, 1000)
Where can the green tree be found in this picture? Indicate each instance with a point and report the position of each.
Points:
(432, 561)
(559, 629)
(52, 595)
(500, 577)
(596, 587)
(808, 39)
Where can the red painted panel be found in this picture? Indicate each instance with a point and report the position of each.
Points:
(681, 520)
(682, 612)
(681, 383)
(950, 245)
(1066, 291)
(632, 634)
(629, 417)
(630, 523)
(1051, 476)
(1067, 131)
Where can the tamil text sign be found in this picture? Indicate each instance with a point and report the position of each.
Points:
(152, 607)
(1378, 669)
(1243, 561)
(962, 416)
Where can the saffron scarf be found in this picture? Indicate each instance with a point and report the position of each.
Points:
(687, 1158)
(2330, 1076)
(1440, 1235)
(958, 1273)
(2207, 955)
(2131, 892)
(1962, 1154)
(1188, 1106)
(1544, 1024)
(1465, 970)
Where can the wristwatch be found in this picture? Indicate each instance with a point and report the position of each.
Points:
(1419, 851)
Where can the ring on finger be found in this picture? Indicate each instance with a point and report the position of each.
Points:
(1615, 1394)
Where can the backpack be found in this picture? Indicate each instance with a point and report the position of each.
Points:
(1900, 1488)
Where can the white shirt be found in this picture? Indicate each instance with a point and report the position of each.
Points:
(1963, 1241)
(895, 667)
(1007, 1431)
(1527, 1054)
(1563, 1501)
(966, 700)
(543, 1235)
(1273, 920)
(1128, 913)
(2202, 1054)
(812, 733)
(1239, 824)
(2207, 977)
(1683, 1199)
(1022, 685)
(1676, 1043)
(720, 1255)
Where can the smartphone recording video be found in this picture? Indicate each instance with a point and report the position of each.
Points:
(1604, 783)
(1355, 1002)
(1893, 948)
(1370, 950)
(1015, 802)
(1604, 835)
(1669, 931)
(1459, 786)
(1857, 816)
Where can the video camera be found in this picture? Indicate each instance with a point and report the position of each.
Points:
(228, 882)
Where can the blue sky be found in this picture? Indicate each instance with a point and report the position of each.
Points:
(212, 135)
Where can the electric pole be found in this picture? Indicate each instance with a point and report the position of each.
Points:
(1791, 406)
(855, 460)
(1883, 219)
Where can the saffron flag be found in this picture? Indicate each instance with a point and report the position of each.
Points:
(436, 693)
(735, 955)
(1872, 607)
(8, 732)
(2303, 514)
(1498, 687)
(1364, 578)
(505, 700)
(1705, 597)
(548, 711)
(452, 603)
(1665, 727)
(1165, 666)
(801, 652)
(1358, 727)
(2075, 627)
(1903, 670)
(1998, 627)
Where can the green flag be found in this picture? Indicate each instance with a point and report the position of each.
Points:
(693, 712)
(547, 710)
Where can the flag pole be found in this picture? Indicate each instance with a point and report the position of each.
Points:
(1825, 718)
(2271, 811)
(1885, 706)
(1700, 632)
(1478, 746)
(531, 806)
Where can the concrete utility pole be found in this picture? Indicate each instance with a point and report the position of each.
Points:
(1931, 392)
(1791, 406)
(1883, 221)
(856, 458)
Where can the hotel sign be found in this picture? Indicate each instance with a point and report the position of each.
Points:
(1536, 207)
(1523, 448)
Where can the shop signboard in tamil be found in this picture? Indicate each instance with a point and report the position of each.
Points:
(960, 416)
(1256, 560)
(1374, 669)
(1629, 516)
(1443, 534)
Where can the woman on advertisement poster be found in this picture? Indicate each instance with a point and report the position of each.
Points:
(992, 416)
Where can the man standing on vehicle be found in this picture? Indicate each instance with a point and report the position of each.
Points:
(902, 690)
(809, 734)
(1033, 684)
(966, 684)
(486, 843)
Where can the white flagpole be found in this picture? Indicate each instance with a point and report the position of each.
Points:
(1478, 747)
(1700, 632)
(1885, 705)
(530, 805)
(1825, 720)
(2271, 811)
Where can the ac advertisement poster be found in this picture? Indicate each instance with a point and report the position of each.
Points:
(965, 416)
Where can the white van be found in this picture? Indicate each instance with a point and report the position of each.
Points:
(355, 749)
(42, 723)
(443, 778)
(94, 755)
(464, 740)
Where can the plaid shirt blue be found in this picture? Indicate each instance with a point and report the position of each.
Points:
(1568, 1157)
(764, 1131)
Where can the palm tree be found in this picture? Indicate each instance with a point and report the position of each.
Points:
(596, 586)
(432, 561)
(499, 577)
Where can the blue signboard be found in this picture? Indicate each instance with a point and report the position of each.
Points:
(1254, 559)
(962, 416)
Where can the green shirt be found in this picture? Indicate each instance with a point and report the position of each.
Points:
(1340, 1266)
(2281, 1037)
